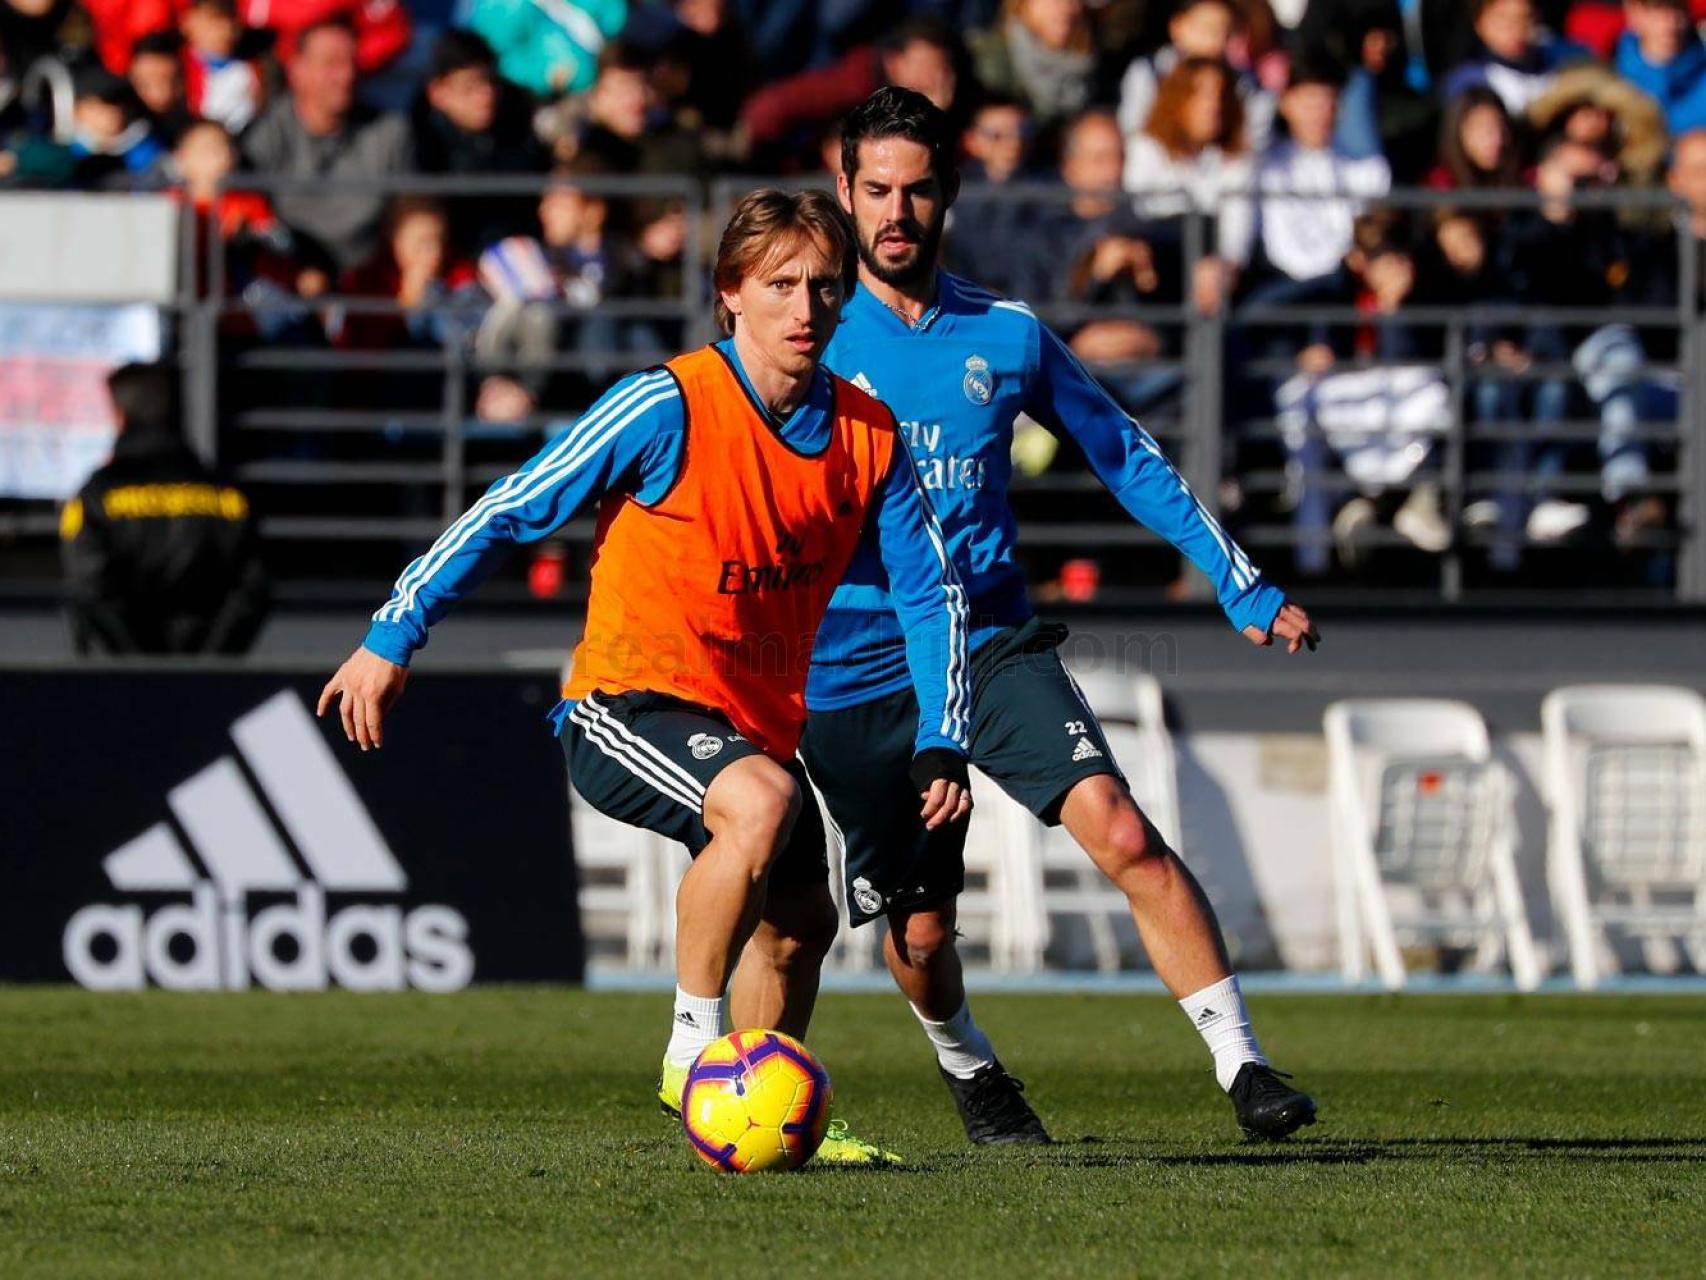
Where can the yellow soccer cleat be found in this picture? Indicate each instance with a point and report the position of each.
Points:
(671, 1081)
(842, 1146)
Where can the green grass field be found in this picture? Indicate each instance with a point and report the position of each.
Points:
(511, 1132)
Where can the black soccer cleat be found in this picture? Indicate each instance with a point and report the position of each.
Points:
(1266, 1106)
(993, 1109)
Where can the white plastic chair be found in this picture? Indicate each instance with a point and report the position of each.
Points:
(1422, 832)
(1626, 784)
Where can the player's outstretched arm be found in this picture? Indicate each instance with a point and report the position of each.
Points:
(613, 445)
(1068, 400)
(931, 603)
(365, 687)
(1290, 624)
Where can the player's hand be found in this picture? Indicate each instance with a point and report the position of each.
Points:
(943, 784)
(1292, 625)
(366, 686)
(945, 802)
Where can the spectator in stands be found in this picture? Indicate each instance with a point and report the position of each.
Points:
(220, 85)
(1686, 180)
(439, 304)
(1461, 266)
(260, 258)
(415, 268)
(1382, 423)
(992, 236)
(921, 54)
(319, 130)
(202, 160)
(548, 49)
(789, 36)
(1564, 256)
(112, 144)
(622, 132)
(1189, 158)
(1661, 54)
(468, 119)
(1478, 145)
(996, 142)
(1095, 250)
(579, 260)
(161, 554)
(1041, 54)
(34, 29)
(156, 74)
(623, 125)
(704, 55)
(1192, 149)
(1197, 29)
(1380, 113)
(1289, 242)
(1515, 57)
(1592, 105)
(119, 24)
(381, 28)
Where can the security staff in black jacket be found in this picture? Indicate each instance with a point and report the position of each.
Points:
(161, 554)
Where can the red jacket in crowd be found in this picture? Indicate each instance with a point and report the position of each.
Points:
(121, 23)
(382, 27)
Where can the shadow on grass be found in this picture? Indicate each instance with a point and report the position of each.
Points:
(1325, 1151)
(1100, 1153)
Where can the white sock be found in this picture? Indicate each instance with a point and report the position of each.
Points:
(961, 1048)
(1220, 1018)
(698, 1022)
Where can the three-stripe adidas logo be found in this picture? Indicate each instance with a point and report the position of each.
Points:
(293, 943)
(1085, 750)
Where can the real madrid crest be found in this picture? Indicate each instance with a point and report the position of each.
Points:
(866, 897)
(979, 382)
(704, 746)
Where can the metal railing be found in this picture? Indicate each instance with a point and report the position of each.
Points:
(282, 414)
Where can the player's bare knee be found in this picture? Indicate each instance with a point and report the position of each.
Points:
(753, 811)
(1131, 851)
(925, 936)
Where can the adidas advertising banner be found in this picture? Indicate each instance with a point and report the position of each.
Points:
(205, 831)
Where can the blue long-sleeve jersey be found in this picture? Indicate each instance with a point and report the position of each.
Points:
(956, 381)
(632, 440)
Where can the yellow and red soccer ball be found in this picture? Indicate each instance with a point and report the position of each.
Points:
(756, 1101)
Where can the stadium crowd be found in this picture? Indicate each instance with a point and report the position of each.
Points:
(1284, 123)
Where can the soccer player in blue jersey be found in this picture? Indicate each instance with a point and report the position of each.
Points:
(957, 364)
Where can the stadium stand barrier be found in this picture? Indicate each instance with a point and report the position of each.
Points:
(375, 448)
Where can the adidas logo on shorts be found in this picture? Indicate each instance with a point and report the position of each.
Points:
(1085, 750)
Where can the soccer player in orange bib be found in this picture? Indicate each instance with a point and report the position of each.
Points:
(733, 486)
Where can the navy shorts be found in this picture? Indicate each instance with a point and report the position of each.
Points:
(1032, 733)
(646, 759)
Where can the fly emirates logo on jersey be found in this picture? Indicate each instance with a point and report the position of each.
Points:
(787, 573)
(935, 470)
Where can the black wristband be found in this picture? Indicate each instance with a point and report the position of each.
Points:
(935, 763)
